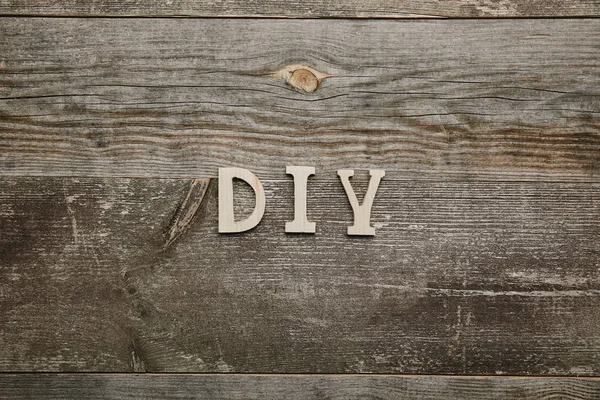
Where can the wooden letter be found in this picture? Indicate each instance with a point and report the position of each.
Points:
(300, 223)
(362, 213)
(227, 223)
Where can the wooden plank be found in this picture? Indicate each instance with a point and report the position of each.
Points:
(293, 387)
(306, 9)
(461, 277)
(469, 99)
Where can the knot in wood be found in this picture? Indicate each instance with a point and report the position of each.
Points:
(304, 79)
(301, 77)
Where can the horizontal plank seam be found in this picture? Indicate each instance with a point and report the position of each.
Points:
(191, 374)
(391, 17)
(566, 180)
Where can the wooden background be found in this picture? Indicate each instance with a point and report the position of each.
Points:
(483, 281)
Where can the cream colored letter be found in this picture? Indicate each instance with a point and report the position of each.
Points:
(300, 223)
(362, 213)
(227, 224)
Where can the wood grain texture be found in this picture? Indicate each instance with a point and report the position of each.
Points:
(468, 99)
(462, 278)
(292, 387)
(306, 9)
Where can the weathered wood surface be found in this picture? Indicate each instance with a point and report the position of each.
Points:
(292, 387)
(510, 99)
(306, 9)
(462, 277)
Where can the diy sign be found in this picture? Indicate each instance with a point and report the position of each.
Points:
(300, 224)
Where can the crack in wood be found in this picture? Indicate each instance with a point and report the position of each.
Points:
(136, 360)
(187, 210)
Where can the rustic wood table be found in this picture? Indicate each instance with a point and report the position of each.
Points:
(482, 280)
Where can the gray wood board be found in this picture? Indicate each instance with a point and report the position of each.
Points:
(307, 9)
(507, 99)
(461, 278)
(292, 387)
